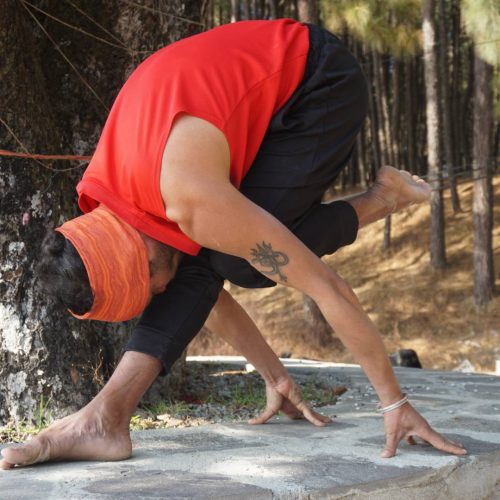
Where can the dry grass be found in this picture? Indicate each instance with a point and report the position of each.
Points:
(412, 305)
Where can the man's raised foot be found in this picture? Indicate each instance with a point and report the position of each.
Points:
(398, 189)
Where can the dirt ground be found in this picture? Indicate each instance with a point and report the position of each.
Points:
(412, 305)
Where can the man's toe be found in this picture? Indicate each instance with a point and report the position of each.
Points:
(26, 454)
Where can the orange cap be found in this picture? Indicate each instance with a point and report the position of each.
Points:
(116, 260)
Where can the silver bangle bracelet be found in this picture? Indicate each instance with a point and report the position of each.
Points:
(394, 406)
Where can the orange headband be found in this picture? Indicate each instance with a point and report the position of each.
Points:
(116, 260)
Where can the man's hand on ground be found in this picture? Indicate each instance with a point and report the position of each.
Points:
(407, 423)
(286, 397)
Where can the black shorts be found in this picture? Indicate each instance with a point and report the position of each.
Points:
(307, 144)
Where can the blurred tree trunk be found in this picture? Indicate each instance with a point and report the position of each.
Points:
(45, 353)
(235, 10)
(273, 9)
(308, 11)
(410, 125)
(437, 242)
(456, 83)
(483, 191)
(319, 328)
(384, 130)
(448, 142)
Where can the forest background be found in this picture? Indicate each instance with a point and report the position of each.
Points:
(426, 277)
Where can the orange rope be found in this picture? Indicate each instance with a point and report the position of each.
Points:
(36, 156)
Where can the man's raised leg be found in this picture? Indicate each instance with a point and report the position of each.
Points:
(392, 191)
(100, 430)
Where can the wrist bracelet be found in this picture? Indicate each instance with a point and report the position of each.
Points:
(394, 406)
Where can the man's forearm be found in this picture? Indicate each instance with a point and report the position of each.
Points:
(231, 322)
(243, 232)
(357, 332)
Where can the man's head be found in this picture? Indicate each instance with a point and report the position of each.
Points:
(99, 267)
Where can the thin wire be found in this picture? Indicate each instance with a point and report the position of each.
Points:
(157, 11)
(76, 28)
(33, 157)
(39, 156)
(448, 185)
(96, 95)
(92, 20)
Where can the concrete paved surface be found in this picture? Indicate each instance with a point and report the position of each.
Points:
(294, 460)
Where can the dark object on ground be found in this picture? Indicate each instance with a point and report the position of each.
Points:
(405, 357)
(286, 355)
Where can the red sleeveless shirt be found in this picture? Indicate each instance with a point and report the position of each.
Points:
(236, 77)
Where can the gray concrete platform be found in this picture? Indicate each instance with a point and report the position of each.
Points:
(294, 460)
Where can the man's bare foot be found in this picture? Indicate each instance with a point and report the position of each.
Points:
(86, 435)
(398, 189)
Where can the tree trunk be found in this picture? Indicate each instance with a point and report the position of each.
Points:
(410, 117)
(396, 113)
(235, 11)
(483, 193)
(437, 242)
(449, 146)
(319, 329)
(45, 353)
(456, 82)
(308, 11)
(317, 324)
(273, 9)
(383, 131)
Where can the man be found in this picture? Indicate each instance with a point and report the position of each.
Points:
(211, 166)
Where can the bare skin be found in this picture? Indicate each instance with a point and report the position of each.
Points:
(100, 431)
(196, 164)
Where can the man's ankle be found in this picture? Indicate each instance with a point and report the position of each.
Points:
(111, 415)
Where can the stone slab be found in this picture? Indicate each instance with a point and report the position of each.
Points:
(294, 460)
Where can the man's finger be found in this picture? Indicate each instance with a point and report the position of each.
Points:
(391, 446)
(315, 418)
(263, 417)
(324, 418)
(411, 440)
(440, 442)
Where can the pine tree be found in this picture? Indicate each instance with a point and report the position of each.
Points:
(482, 21)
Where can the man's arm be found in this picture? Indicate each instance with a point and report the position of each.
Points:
(230, 321)
(200, 198)
(196, 188)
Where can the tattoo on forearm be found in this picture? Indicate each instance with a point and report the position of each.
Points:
(272, 261)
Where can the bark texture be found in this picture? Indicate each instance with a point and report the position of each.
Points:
(483, 191)
(319, 328)
(52, 107)
(307, 11)
(448, 138)
(437, 242)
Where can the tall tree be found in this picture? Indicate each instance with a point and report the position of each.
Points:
(483, 193)
(51, 106)
(482, 21)
(308, 11)
(448, 138)
(437, 241)
(317, 325)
